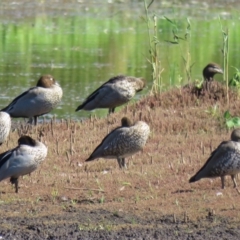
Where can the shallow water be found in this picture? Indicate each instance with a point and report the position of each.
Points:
(83, 44)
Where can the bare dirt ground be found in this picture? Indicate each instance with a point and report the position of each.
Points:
(69, 199)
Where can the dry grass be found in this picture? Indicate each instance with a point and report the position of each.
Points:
(183, 133)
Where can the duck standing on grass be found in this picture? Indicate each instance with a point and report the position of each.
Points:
(37, 100)
(5, 126)
(225, 160)
(122, 142)
(113, 93)
(21, 160)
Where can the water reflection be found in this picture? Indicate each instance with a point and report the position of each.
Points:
(83, 45)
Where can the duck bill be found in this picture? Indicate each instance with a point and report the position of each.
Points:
(220, 71)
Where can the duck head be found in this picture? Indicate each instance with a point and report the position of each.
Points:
(46, 81)
(210, 70)
(140, 84)
(26, 140)
(235, 136)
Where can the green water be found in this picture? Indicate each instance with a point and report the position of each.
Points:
(82, 46)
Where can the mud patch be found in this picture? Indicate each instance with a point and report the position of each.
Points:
(102, 224)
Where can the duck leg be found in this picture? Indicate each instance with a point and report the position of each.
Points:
(30, 120)
(121, 162)
(111, 110)
(35, 120)
(15, 182)
(222, 180)
(234, 181)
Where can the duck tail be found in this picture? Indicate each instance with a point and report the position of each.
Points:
(4, 109)
(89, 159)
(193, 179)
(79, 108)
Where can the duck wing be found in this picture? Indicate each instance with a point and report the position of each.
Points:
(109, 143)
(4, 157)
(221, 154)
(25, 94)
(100, 97)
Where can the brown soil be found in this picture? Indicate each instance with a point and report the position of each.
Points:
(69, 199)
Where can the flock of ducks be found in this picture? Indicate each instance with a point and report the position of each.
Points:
(124, 141)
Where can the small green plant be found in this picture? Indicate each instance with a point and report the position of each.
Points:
(54, 193)
(119, 199)
(73, 201)
(64, 207)
(99, 184)
(126, 183)
(149, 197)
(137, 198)
(102, 199)
(133, 221)
(213, 110)
(230, 121)
(95, 227)
(198, 83)
(235, 80)
(38, 199)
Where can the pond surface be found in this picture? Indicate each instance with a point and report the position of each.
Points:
(84, 43)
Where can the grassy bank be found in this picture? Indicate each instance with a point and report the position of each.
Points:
(184, 130)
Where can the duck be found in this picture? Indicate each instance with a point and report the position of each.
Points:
(115, 92)
(5, 126)
(122, 142)
(37, 100)
(208, 74)
(21, 160)
(210, 70)
(223, 161)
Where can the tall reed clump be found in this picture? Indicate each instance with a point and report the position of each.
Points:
(154, 59)
(225, 51)
(185, 48)
(230, 121)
